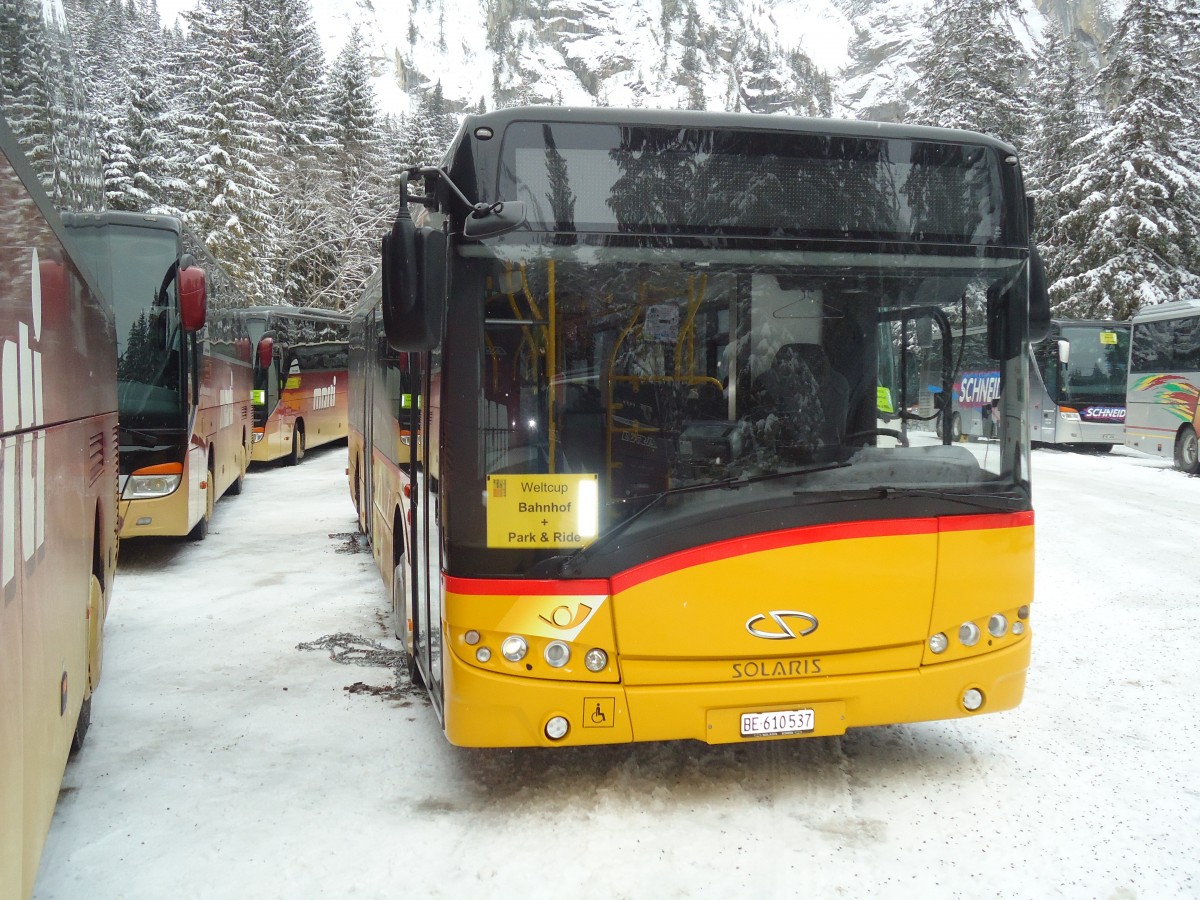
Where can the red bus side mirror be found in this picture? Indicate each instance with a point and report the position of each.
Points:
(266, 349)
(193, 298)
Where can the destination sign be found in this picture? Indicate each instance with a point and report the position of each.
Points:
(542, 511)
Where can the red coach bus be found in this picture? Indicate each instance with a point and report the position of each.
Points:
(183, 369)
(300, 380)
(58, 507)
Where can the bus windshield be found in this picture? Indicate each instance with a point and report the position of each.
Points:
(1097, 368)
(149, 337)
(663, 373)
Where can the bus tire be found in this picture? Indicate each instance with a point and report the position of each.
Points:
(1187, 454)
(200, 531)
(81, 725)
(297, 453)
(243, 462)
(400, 616)
(956, 428)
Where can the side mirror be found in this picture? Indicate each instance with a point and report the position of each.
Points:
(1039, 298)
(496, 219)
(193, 298)
(414, 285)
(266, 351)
(1064, 352)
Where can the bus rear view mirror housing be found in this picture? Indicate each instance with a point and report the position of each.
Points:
(499, 218)
(1064, 352)
(1039, 298)
(414, 284)
(193, 298)
(266, 350)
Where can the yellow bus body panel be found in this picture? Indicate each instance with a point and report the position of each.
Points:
(689, 665)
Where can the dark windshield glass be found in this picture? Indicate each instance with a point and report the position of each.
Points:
(627, 373)
(589, 177)
(149, 337)
(1098, 364)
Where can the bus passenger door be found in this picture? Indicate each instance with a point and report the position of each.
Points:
(423, 587)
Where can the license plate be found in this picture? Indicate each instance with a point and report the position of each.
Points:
(787, 721)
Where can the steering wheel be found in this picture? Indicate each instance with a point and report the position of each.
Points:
(882, 432)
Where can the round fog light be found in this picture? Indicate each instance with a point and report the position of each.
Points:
(514, 648)
(997, 625)
(938, 643)
(557, 654)
(1018, 628)
(972, 699)
(483, 654)
(968, 634)
(471, 637)
(556, 728)
(596, 660)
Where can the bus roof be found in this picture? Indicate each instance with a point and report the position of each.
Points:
(501, 118)
(1173, 310)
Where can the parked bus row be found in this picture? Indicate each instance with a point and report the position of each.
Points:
(642, 463)
(1096, 384)
(131, 399)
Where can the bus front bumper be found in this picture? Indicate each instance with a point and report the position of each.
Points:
(483, 709)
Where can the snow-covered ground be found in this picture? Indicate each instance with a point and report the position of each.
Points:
(223, 762)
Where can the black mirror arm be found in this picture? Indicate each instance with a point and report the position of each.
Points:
(478, 210)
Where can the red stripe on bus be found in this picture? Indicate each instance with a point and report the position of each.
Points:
(529, 587)
(773, 540)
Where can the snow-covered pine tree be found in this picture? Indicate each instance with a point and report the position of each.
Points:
(225, 127)
(139, 140)
(44, 101)
(292, 67)
(1062, 113)
(1130, 236)
(972, 77)
(359, 181)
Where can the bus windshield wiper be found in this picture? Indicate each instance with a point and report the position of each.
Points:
(617, 528)
(144, 439)
(984, 501)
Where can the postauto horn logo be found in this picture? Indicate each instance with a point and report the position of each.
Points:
(788, 625)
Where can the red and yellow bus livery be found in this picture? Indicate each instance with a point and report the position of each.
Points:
(58, 509)
(183, 369)
(641, 463)
(301, 381)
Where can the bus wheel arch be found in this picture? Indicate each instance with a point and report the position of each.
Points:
(1187, 453)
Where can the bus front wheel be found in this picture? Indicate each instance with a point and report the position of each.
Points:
(297, 446)
(400, 615)
(1187, 454)
(200, 531)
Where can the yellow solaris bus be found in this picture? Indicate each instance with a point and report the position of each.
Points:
(636, 438)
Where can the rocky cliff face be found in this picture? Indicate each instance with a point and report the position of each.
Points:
(806, 57)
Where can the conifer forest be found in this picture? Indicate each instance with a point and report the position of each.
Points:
(281, 157)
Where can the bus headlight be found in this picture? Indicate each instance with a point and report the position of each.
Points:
(557, 654)
(938, 643)
(146, 484)
(596, 660)
(968, 634)
(998, 625)
(514, 648)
